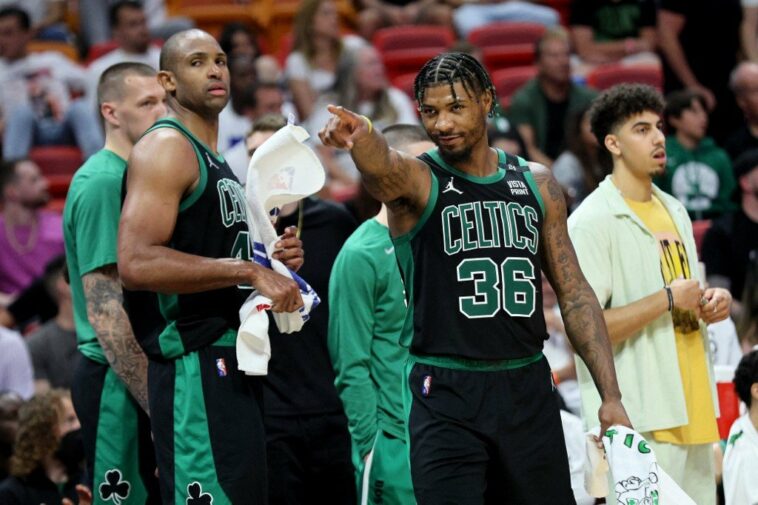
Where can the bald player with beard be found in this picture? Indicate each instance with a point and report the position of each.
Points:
(184, 256)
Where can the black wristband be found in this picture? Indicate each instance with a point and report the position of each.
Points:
(671, 297)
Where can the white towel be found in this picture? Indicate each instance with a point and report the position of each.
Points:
(282, 170)
(637, 477)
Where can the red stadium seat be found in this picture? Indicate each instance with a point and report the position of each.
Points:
(698, 230)
(56, 160)
(412, 37)
(404, 83)
(605, 76)
(509, 80)
(407, 61)
(505, 33)
(57, 184)
(508, 56)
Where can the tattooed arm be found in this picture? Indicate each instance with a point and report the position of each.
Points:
(582, 315)
(401, 181)
(106, 314)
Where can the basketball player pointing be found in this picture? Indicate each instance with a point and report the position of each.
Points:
(483, 419)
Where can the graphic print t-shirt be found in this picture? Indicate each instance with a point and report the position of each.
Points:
(689, 343)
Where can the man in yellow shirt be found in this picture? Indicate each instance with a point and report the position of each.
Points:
(635, 245)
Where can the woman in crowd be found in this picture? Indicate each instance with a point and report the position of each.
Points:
(311, 67)
(48, 456)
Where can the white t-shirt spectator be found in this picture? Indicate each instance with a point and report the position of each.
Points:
(15, 364)
(725, 345)
(232, 128)
(297, 67)
(741, 464)
(46, 79)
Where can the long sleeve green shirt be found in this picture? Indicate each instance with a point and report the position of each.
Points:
(367, 310)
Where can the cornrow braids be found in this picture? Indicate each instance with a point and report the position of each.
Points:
(455, 67)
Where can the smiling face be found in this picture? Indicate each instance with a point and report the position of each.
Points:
(640, 144)
(454, 120)
(199, 77)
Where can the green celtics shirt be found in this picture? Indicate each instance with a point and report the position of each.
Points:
(90, 231)
(366, 314)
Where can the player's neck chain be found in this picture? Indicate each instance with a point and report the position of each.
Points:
(10, 234)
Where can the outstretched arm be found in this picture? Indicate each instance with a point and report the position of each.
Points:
(582, 315)
(106, 314)
(162, 169)
(397, 179)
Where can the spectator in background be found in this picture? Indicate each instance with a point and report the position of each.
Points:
(375, 14)
(265, 100)
(698, 172)
(683, 26)
(47, 18)
(234, 119)
(744, 84)
(362, 86)
(749, 30)
(476, 13)
(307, 440)
(747, 322)
(129, 29)
(583, 165)
(48, 457)
(15, 365)
(237, 39)
(501, 134)
(740, 484)
(35, 94)
(93, 20)
(10, 402)
(609, 31)
(539, 108)
(732, 238)
(53, 346)
(311, 67)
(29, 235)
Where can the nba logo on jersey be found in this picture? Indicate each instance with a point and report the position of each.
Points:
(221, 367)
(426, 386)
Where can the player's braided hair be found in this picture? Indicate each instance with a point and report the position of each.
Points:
(451, 67)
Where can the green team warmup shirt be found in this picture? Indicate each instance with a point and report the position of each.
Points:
(366, 315)
(90, 230)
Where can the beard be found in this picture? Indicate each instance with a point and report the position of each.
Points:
(452, 157)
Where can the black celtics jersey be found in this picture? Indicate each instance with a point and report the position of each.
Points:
(471, 265)
(212, 222)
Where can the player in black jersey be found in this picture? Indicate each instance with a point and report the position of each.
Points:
(181, 231)
(473, 228)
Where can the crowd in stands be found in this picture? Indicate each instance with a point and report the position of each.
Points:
(703, 55)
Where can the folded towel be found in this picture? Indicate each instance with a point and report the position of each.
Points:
(637, 478)
(282, 170)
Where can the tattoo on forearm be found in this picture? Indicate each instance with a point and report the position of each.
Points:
(582, 315)
(114, 332)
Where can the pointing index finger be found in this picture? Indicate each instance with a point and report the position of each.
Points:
(339, 111)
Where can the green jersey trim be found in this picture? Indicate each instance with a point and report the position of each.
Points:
(198, 191)
(430, 204)
(529, 176)
(489, 179)
(475, 364)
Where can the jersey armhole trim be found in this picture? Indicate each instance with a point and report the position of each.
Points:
(188, 200)
(533, 185)
(430, 204)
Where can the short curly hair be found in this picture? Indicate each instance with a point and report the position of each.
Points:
(745, 376)
(617, 104)
(37, 436)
